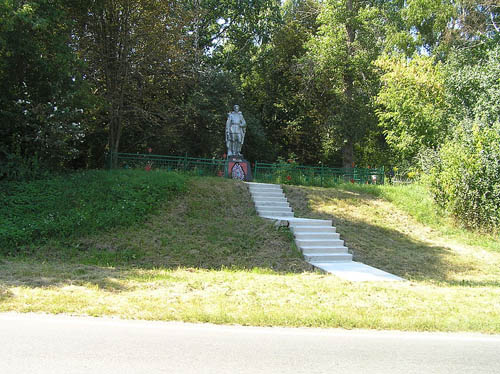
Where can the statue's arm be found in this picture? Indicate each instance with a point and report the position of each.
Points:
(228, 126)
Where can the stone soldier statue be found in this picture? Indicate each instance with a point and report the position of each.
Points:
(235, 132)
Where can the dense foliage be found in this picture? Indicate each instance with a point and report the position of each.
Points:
(80, 203)
(465, 177)
(330, 82)
(41, 92)
(412, 106)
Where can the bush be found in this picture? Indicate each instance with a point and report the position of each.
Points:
(80, 203)
(13, 167)
(466, 181)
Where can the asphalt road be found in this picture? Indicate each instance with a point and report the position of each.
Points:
(58, 344)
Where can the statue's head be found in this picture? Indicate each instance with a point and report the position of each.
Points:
(236, 108)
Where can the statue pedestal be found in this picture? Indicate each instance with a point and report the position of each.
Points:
(238, 168)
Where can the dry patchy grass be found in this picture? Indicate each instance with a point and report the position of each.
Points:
(381, 235)
(247, 298)
(213, 226)
(207, 257)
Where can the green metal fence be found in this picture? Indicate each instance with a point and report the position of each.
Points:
(315, 176)
(193, 165)
(283, 173)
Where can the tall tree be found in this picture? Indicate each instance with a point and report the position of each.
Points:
(136, 51)
(274, 88)
(436, 26)
(412, 104)
(41, 95)
(348, 41)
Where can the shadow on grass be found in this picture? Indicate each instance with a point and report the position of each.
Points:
(397, 253)
(215, 226)
(4, 292)
(387, 248)
(57, 274)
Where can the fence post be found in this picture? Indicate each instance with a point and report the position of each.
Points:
(383, 175)
(255, 171)
(112, 157)
(321, 179)
(108, 160)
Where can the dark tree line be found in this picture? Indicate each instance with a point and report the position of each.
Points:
(404, 84)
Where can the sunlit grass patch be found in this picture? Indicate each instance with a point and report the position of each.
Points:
(254, 298)
(382, 234)
(87, 202)
(416, 201)
(206, 256)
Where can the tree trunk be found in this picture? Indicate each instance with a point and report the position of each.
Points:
(348, 154)
(348, 147)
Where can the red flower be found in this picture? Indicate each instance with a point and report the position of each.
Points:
(148, 167)
(352, 180)
(150, 149)
(220, 173)
(288, 177)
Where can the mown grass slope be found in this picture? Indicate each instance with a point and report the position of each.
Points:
(206, 256)
(213, 226)
(73, 205)
(381, 233)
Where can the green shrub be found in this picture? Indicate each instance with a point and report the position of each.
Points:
(13, 167)
(80, 203)
(466, 181)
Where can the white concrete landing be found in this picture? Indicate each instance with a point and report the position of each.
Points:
(355, 271)
(316, 238)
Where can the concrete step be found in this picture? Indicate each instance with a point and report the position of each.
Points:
(299, 229)
(310, 222)
(277, 215)
(268, 193)
(316, 242)
(274, 209)
(329, 257)
(323, 249)
(271, 203)
(262, 185)
(269, 197)
(265, 188)
(316, 235)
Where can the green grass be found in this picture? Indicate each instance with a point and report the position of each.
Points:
(80, 203)
(212, 226)
(205, 256)
(382, 234)
(256, 298)
(416, 200)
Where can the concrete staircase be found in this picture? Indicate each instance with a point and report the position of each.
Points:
(316, 238)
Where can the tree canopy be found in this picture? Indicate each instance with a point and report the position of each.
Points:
(336, 82)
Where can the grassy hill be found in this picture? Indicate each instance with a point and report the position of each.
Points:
(201, 254)
(400, 230)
